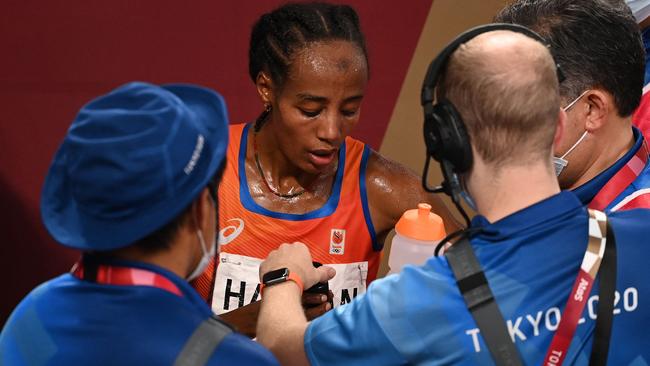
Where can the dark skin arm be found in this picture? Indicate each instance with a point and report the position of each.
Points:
(244, 319)
(393, 189)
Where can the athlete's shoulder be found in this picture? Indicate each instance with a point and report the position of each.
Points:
(387, 179)
(381, 166)
(376, 164)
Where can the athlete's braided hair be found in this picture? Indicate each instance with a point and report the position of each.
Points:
(277, 37)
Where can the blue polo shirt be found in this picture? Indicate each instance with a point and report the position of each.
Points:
(531, 259)
(588, 191)
(67, 321)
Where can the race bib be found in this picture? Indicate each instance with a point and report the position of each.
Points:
(237, 282)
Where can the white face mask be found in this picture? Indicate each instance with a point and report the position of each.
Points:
(206, 258)
(207, 255)
(561, 163)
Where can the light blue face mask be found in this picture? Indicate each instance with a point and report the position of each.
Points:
(561, 163)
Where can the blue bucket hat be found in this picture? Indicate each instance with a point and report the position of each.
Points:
(132, 161)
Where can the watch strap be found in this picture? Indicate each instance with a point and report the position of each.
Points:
(291, 277)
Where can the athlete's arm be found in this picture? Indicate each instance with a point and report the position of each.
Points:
(244, 319)
(392, 189)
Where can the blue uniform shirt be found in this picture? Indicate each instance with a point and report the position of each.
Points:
(531, 259)
(67, 321)
(588, 191)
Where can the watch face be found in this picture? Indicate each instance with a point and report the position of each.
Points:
(275, 276)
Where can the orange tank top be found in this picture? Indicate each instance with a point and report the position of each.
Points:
(339, 234)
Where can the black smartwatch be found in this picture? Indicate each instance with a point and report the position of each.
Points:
(278, 276)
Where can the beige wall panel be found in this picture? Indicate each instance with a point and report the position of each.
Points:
(403, 141)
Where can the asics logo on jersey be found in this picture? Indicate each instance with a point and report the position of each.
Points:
(231, 232)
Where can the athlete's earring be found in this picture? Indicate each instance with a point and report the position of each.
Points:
(262, 117)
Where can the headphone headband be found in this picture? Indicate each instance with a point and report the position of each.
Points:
(436, 66)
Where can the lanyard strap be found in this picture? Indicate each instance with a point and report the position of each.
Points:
(475, 289)
(473, 285)
(122, 276)
(581, 289)
(605, 315)
(621, 180)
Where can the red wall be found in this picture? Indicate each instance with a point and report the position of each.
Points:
(57, 55)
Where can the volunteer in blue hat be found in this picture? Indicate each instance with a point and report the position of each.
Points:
(133, 186)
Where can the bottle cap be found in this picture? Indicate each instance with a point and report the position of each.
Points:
(421, 224)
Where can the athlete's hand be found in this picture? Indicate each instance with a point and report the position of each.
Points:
(297, 259)
(316, 304)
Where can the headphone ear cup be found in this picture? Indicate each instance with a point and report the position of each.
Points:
(431, 133)
(454, 143)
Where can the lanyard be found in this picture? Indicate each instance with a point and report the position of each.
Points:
(581, 290)
(621, 180)
(124, 276)
(476, 292)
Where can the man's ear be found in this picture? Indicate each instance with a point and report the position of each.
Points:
(599, 104)
(202, 208)
(264, 86)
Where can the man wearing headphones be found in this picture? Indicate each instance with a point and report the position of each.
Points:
(530, 239)
(134, 187)
(600, 156)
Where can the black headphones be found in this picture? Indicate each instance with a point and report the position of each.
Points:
(445, 135)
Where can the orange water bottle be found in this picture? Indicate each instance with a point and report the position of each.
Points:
(417, 233)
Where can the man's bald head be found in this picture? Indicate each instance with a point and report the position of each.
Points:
(504, 85)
